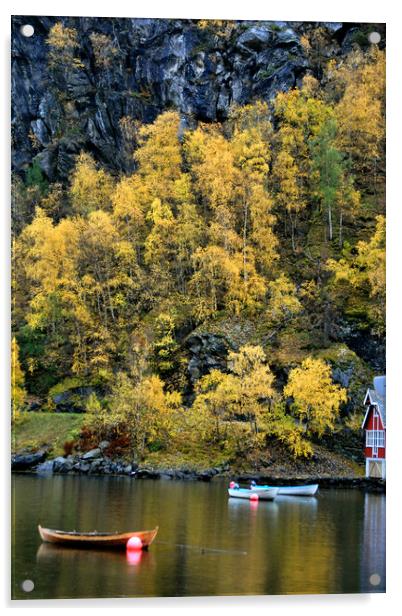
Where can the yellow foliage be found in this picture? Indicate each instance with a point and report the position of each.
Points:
(212, 161)
(159, 155)
(63, 42)
(244, 392)
(367, 267)
(140, 408)
(262, 221)
(283, 301)
(287, 432)
(18, 393)
(129, 200)
(105, 53)
(219, 281)
(316, 398)
(91, 188)
(360, 111)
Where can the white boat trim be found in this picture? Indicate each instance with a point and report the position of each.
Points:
(263, 494)
(303, 490)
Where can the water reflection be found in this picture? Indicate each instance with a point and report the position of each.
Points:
(242, 505)
(133, 557)
(373, 544)
(304, 501)
(49, 554)
(207, 544)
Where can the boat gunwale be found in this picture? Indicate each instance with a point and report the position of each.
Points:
(51, 535)
(310, 489)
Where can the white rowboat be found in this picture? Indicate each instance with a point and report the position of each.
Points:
(264, 493)
(308, 490)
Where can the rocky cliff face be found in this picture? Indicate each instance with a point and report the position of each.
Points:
(153, 65)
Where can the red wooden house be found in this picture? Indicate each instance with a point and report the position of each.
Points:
(374, 426)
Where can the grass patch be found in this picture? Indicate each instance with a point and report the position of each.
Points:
(36, 430)
(198, 458)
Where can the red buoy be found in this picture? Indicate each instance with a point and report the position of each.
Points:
(254, 497)
(134, 543)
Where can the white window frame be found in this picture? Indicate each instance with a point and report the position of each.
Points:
(375, 438)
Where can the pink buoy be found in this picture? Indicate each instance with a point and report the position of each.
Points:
(232, 485)
(134, 543)
(254, 497)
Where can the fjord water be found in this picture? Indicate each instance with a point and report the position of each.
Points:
(207, 544)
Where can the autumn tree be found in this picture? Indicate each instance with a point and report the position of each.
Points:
(359, 81)
(159, 245)
(300, 117)
(229, 175)
(215, 176)
(111, 283)
(214, 397)
(18, 393)
(253, 382)
(283, 303)
(105, 52)
(45, 261)
(287, 431)
(159, 156)
(190, 231)
(211, 280)
(363, 273)
(63, 45)
(129, 201)
(262, 237)
(143, 410)
(164, 346)
(218, 284)
(243, 393)
(316, 399)
(91, 188)
(252, 155)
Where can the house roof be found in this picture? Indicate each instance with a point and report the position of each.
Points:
(377, 396)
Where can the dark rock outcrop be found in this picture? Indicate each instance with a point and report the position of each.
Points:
(154, 64)
(92, 454)
(349, 371)
(206, 352)
(62, 465)
(72, 400)
(24, 462)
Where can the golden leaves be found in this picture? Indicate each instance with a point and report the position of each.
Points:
(316, 398)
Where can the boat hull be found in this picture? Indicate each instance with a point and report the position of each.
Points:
(96, 540)
(245, 493)
(308, 490)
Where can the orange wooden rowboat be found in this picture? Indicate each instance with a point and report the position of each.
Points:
(95, 539)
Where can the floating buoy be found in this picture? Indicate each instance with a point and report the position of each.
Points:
(134, 543)
(254, 497)
(232, 485)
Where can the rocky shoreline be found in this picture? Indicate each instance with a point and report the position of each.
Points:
(95, 463)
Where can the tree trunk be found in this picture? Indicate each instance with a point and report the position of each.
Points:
(292, 222)
(330, 221)
(245, 246)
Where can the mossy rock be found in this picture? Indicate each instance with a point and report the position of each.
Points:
(349, 371)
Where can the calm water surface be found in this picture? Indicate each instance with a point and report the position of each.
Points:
(207, 544)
